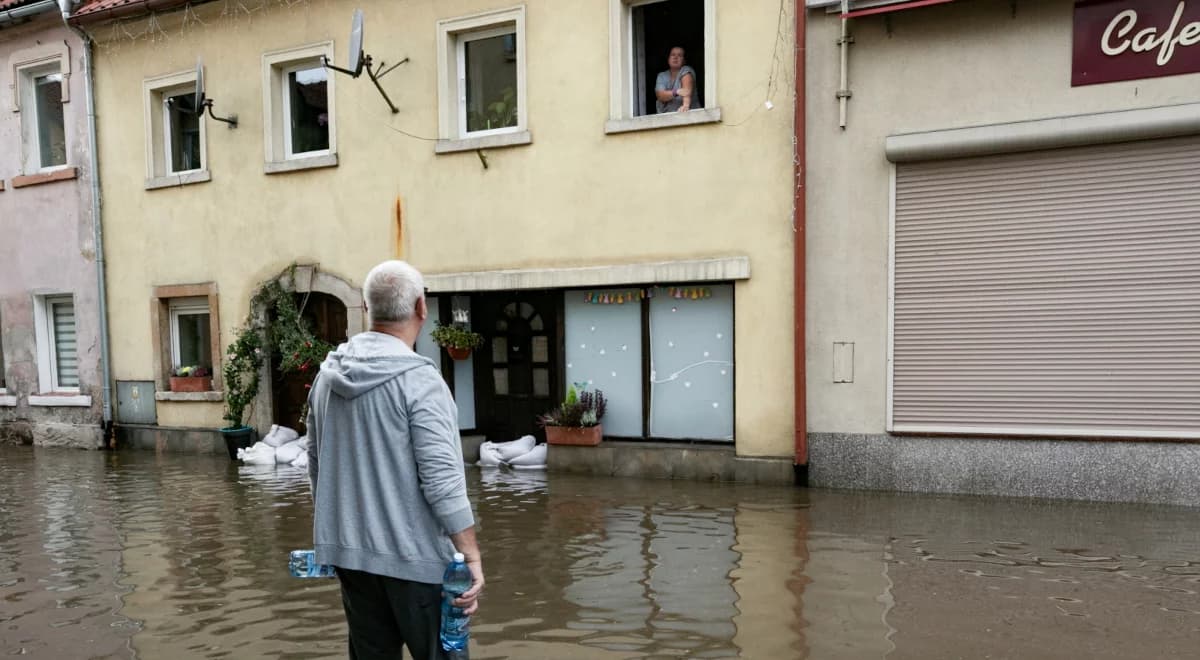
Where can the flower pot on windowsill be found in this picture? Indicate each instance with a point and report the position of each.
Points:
(191, 384)
(587, 436)
(458, 353)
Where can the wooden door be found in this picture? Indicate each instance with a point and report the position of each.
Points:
(326, 315)
(517, 368)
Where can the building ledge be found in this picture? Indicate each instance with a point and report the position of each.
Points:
(8, 400)
(189, 396)
(515, 139)
(64, 174)
(61, 400)
(177, 180)
(667, 120)
(697, 270)
(300, 164)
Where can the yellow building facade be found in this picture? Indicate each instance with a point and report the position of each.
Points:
(524, 171)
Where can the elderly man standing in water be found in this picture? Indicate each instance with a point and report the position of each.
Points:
(389, 490)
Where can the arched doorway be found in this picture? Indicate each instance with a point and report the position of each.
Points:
(326, 315)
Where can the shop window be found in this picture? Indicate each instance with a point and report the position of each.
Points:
(604, 351)
(299, 128)
(43, 129)
(58, 355)
(482, 78)
(175, 132)
(191, 333)
(645, 32)
(691, 363)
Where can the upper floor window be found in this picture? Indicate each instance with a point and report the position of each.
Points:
(481, 75)
(299, 127)
(43, 128)
(176, 151)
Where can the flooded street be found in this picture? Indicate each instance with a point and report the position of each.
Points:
(137, 555)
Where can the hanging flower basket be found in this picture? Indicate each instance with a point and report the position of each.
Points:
(458, 353)
(456, 339)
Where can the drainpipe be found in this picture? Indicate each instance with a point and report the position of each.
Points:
(97, 226)
(799, 201)
(844, 93)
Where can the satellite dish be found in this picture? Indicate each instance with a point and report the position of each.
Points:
(198, 99)
(356, 42)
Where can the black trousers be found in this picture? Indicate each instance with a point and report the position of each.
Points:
(385, 613)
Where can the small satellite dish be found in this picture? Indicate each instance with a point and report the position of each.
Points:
(198, 99)
(356, 42)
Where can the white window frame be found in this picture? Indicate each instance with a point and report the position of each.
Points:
(24, 74)
(452, 36)
(155, 92)
(44, 332)
(277, 129)
(179, 307)
(622, 117)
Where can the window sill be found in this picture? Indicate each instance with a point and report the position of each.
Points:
(668, 120)
(8, 400)
(456, 145)
(72, 400)
(189, 396)
(176, 180)
(65, 174)
(298, 164)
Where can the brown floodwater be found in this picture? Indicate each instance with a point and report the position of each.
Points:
(138, 555)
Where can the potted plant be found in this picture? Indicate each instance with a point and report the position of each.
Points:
(457, 340)
(576, 421)
(191, 379)
(242, 365)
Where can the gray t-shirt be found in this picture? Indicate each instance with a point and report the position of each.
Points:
(664, 83)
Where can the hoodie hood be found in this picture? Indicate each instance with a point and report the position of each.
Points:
(367, 361)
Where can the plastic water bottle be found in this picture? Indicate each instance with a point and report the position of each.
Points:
(303, 564)
(456, 626)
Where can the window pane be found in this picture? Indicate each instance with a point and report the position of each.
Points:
(52, 140)
(691, 363)
(183, 133)
(604, 351)
(67, 356)
(541, 349)
(309, 103)
(541, 382)
(491, 66)
(500, 376)
(195, 347)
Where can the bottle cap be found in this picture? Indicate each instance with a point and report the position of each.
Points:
(460, 557)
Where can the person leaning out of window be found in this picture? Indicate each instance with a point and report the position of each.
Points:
(675, 87)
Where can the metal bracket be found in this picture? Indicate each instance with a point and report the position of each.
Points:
(232, 120)
(374, 73)
(844, 94)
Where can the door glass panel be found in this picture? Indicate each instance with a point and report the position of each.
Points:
(501, 325)
(527, 310)
(541, 382)
(541, 349)
(510, 310)
(499, 350)
(500, 376)
(535, 323)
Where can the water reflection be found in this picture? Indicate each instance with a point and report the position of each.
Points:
(157, 556)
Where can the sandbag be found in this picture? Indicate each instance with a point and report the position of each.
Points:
(260, 454)
(488, 456)
(280, 435)
(301, 461)
(533, 458)
(288, 453)
(518, 447)
(303, 441)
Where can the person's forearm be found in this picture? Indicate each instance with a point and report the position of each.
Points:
(465, 543)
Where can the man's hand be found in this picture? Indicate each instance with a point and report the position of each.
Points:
(469, 601)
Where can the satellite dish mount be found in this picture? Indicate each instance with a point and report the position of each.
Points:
(360, 61)
(200, 101)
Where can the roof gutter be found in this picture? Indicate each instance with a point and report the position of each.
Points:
(20, 13)
(89, 85)
(799, 248)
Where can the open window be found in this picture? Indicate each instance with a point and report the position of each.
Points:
(175, 132)
(41, 89)
(481, 78)
(299, 127)
(644, 34)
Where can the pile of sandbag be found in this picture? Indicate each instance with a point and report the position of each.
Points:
(280, 446)
(521, 454)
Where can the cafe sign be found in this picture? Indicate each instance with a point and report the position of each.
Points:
(1132, 39)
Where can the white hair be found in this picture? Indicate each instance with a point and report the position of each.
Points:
(392, 290)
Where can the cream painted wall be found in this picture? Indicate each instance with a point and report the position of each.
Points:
(957, 65)
(574, 197)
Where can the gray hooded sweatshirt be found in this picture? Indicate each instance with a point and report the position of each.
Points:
(385, 461)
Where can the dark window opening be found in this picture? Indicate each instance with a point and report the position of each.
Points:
(657, 28)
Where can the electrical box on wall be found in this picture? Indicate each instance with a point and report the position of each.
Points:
(135, 402)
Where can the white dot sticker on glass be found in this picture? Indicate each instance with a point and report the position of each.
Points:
(602, 351)
(716, 405)
(593, 328)
(671, 344)
(583, 346)
(674, 309)
(724, 371)
(614, 374)
(624, 347)
(720, 335)
(687, 383)
(705, 353)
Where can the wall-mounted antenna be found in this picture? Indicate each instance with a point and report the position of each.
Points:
(200, 101)
(359, 60)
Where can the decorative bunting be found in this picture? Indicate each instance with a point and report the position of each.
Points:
(647, 293)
